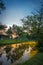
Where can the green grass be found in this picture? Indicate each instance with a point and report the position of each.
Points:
(12, 41)
(5, 42)
(36, 60)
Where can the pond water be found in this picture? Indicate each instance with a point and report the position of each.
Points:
(15, 53)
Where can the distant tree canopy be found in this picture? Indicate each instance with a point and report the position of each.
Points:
(14, 29)
(9, 31)
(17, 29)
(2, 26)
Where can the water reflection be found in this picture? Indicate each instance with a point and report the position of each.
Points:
(15, 53)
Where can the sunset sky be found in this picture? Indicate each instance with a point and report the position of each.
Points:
(18, 9)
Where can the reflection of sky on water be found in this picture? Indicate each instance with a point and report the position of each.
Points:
(23, 58)
(4, 61)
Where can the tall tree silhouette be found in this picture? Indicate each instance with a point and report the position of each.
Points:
(35, 22)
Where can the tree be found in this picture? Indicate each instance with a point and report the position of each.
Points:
(17, 29)
(35, 25)
(2, 27)
(35, 22)
(40, 30)
(9, 32)
(31, 23)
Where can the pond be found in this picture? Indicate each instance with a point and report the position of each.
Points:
(14, 53)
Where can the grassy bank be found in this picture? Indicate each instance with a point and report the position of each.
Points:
(12, 41)
(36, 60)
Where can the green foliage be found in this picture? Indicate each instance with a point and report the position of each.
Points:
(17, 29)
(9, 31)
(11, 41)
(34, 25)
(40, 42)
(2, 27)
(23, 36)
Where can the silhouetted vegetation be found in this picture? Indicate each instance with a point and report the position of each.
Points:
(34, 26)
